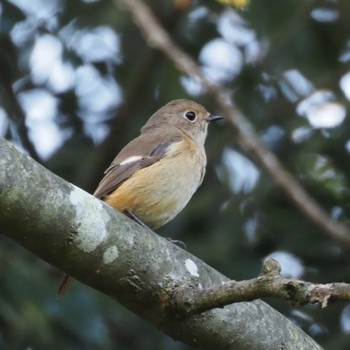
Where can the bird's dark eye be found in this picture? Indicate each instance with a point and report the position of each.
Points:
(191, 116)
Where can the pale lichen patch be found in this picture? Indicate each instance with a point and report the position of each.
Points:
(191, 267)
(110, 254)
(91, 219)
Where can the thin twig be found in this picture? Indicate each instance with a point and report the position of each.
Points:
(189, 301)
(158, 38)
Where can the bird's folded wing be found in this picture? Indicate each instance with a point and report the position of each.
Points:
(138, 154)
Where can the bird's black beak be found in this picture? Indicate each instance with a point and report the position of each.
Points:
(214, 118)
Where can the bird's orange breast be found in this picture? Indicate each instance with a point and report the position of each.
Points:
(156, 194)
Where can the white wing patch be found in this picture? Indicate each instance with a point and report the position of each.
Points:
(130, 159)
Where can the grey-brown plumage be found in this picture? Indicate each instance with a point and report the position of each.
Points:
(156, 174)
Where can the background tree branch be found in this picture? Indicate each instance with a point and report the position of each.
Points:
(158, 38)
(74, 231)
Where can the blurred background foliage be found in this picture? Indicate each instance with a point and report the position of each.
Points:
(86, 82)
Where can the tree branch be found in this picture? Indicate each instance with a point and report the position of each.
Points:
(158, 38)
(99, 246)
(190, 301)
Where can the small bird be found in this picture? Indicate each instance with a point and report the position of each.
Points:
(155, 175)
